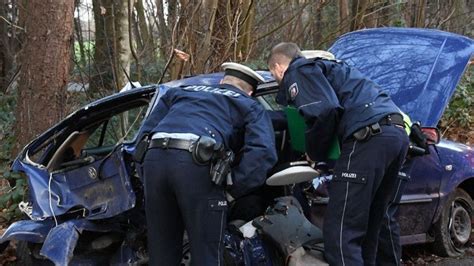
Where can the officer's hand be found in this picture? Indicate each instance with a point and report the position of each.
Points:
(311, 162)
(322, 168)
(229, 197)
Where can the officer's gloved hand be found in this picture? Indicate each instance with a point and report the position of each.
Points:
(322, 168)
(229, 182)
(229, 197)
(311, 162)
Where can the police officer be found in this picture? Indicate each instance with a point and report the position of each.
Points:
(336, 99)
(190, 123)
(389, 250)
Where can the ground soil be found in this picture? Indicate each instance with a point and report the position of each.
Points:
(421, 255)
(412, 255)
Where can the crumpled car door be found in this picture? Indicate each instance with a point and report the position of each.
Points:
(98, 190)
(82, 166)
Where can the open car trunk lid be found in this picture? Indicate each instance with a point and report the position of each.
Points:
(421, 68)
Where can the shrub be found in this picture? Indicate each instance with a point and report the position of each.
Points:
(458, 119)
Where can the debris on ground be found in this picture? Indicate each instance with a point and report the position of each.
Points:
(8, 256)
(421, 255)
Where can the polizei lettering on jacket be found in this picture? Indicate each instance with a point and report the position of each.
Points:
(348, 175)
(215, 90)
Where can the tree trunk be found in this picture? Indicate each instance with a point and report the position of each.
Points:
(102, 77)
(122, 49)
(370, 17)
(243, 45)
(317, 25)
(420, 14)
(6, 55)
(147, 43)
(344, 19)
(414, 13)
(9, 43)
(207, 25)
(112, 48)
(79, 37)
(45, 62)
(358, 11)
(164, 31)
(385, 15)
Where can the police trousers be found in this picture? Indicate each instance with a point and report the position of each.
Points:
(365, 184)
(179, 195)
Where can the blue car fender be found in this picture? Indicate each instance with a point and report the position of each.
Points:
(458, 162)
(58, 241)
(28, 230)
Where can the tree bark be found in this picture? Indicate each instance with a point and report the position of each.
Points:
(420, 14)
(122, 49)
(9, 43)
(45, 61)
(79, 37)
(243, 45)
(164, 32)
(370, 17)
(6, 55)
(147, 43)
(344, 19)
(358, 11)
(102, 74)
(317, 25)
(112, 53)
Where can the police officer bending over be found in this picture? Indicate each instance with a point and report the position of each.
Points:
(198, 128)
(336, 99)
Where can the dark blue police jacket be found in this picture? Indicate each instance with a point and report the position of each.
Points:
(333, 98)
(228, 115)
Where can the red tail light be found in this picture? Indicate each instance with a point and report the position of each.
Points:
(432, 134)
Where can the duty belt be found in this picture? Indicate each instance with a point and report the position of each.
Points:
(204, 151)
(366, 132)
(392, 119)
(171, 143)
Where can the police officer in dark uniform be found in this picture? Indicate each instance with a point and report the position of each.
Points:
(337, 100)
(195, 127)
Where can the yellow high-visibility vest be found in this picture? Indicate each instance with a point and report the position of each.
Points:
(407, 122)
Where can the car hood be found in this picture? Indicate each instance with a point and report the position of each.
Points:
(419, 67)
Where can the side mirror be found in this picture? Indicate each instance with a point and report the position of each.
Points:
(433, 136)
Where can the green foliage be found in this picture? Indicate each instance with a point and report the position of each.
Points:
(150, 72)
(398, 23)
(11, 196)
(7, 119)
(89, 47)
(12, 185)
(257, 64)
(460, 115)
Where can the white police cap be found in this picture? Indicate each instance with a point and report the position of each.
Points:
(309, 54)
(292, 175)
(243, 72)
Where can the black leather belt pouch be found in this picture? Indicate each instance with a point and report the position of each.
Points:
(365, 133)
(362, 134)
(203, 150)
(141, 148)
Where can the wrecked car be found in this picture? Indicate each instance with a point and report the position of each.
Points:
(85, 200)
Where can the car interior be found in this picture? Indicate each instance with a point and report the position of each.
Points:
(90, 139)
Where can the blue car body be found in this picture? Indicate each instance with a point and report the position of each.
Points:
(419, 67)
